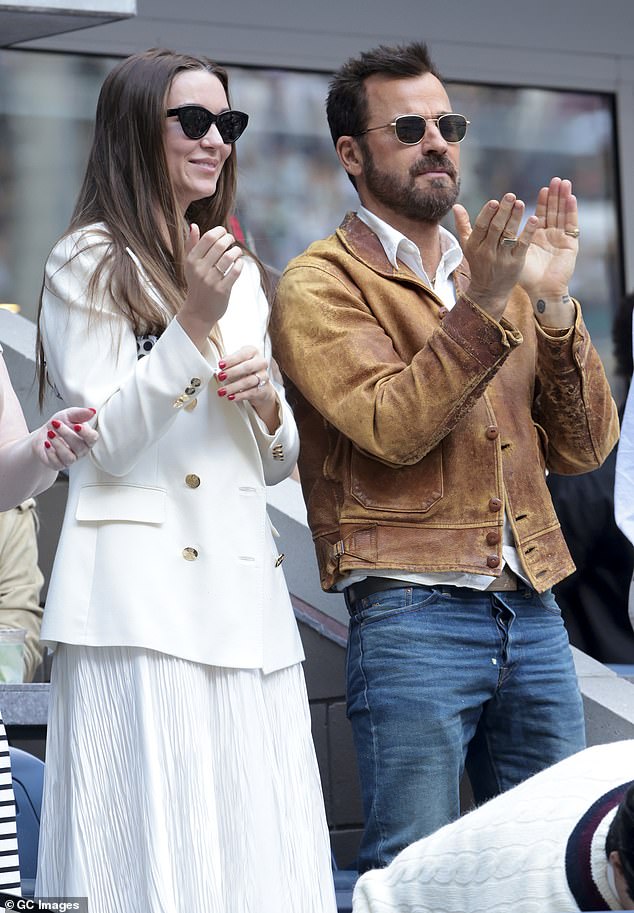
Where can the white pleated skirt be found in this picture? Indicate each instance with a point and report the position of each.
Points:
(173, 787)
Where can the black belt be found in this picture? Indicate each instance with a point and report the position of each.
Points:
(506, 581)
(372, 585)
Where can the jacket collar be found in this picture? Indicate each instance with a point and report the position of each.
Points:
(360, 241)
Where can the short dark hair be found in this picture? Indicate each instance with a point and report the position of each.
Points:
(347, 106)
(621, 838)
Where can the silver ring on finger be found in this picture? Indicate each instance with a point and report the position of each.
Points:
(223, 272)
(261, 381)
(509, 240)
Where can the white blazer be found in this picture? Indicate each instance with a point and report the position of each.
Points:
(166, 543)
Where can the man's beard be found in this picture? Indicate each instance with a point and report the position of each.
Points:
(404, 196)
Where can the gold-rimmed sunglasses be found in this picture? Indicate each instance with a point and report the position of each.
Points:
(410, 128)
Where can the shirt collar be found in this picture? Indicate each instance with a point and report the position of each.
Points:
(398, 246)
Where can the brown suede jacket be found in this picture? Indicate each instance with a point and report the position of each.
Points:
(419, 425)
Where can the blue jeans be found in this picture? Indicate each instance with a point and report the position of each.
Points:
(446, 676)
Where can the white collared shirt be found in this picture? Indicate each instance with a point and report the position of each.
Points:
(398, 247)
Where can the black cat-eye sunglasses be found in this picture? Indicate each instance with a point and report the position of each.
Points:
(196, 122)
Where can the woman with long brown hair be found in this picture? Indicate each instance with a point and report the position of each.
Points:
(180, 768)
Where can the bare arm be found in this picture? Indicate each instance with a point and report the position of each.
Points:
(29, 462)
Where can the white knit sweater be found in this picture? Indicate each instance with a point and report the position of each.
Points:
(509, 855)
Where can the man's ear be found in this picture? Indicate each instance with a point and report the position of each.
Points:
(624, 896)
(350, 155)
(615, 859)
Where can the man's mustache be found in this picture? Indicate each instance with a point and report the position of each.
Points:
(431, 162)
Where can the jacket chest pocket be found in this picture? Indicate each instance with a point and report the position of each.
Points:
(403, 490)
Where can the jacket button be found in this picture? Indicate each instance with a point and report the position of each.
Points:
(190, 391)
(492, 432)
(190, 554)
(495, 504)
(493, 538)
(493, 561)
(195, 382)
(442, 312)
(192, 480)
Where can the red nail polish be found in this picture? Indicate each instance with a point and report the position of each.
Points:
(77, 427)
(47, 445)
(51, 434)
(222, 365)
(222, 392)
(94, 411)
(231, 396)
(55, 423)
(222, 376)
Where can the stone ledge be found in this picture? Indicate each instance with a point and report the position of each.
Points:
(608, 700)
(24, 705)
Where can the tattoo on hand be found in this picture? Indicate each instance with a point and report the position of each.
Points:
(541, 306)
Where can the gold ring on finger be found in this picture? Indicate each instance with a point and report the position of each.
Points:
(509, 240)
(572, 233)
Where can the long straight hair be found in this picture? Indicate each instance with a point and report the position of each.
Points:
(127, 188)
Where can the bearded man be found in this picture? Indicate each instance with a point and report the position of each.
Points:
(434, 381)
